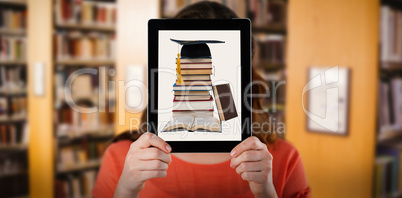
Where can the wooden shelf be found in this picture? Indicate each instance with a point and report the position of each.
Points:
(13, 147)
(391, 66)
(89, 63)
(77, 140)
(86, 27)
(17, 32)
(12, 119)
(272, 29)
(266, 65)
(12, 62)
(16, 174)
(13, 93)
(14, 2)
(78, 167)
(389, 136)
(103, 133)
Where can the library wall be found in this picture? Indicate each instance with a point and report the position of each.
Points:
(41, 144)
(132, 52)
(330, 33)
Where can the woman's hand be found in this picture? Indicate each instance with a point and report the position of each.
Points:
(142, 163)
(253, 162)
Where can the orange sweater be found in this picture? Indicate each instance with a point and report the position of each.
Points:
(195, 180)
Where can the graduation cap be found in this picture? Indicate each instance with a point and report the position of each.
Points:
(195, 48)
(192, 49)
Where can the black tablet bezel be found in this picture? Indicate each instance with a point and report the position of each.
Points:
(244, 25)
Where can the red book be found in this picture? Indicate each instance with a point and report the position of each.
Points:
(193, 110)
(3, 134)
(174, 100)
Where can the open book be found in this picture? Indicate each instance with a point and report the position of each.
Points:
(192, 122)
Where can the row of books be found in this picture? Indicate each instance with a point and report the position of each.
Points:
(87, 46)
(261, 12)
(171, 7)
(391, 34)
(13, 18)
(390, 105)
(270, 49)
(86, 86)
(85, 12)
(12, 165)
(88, 151)
(194, 92)
(13, 48)
(76, 185)
(275, 88)
(388, 171)
(192, 102)
(266, 12)
(71, 123)
(12, 79)
(14, 107)
(14, 134)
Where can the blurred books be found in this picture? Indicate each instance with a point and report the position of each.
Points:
(85, 12)
(391, 34)
(77, 45)
(13, 19)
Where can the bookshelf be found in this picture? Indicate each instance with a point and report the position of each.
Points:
(269, 31)
(13, 100)
(14, 2)
(103, 28)
(82, 41)
(389, 113)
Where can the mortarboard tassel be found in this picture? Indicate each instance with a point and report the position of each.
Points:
(178, 70)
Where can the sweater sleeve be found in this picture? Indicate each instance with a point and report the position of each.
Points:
(296, 185)
(111, 169)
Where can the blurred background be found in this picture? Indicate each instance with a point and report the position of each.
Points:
(49, 150)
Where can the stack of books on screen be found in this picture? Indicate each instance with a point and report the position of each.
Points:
(13, 19)
(85, 12)
(84, 46)
(388, 171)
(12, 48)
(193, 103)
(194, 93)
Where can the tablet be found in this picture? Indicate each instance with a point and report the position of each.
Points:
(199, 83)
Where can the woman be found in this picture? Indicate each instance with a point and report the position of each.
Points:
(260, 166)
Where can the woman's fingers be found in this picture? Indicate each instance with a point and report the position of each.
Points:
(247, 156)
(154, 154)
(151, 165)
(149, 139)
(251, 143)
(257, 177)
(250, 167)
(152, 174)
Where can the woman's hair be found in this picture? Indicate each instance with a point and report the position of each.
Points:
(213, 10)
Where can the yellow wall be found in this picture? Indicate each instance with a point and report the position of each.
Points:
(132, 26)
(329, 33)
(40, 108)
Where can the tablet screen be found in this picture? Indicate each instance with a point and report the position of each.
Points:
(199, 85)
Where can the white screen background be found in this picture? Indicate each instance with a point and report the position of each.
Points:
(226, 62)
